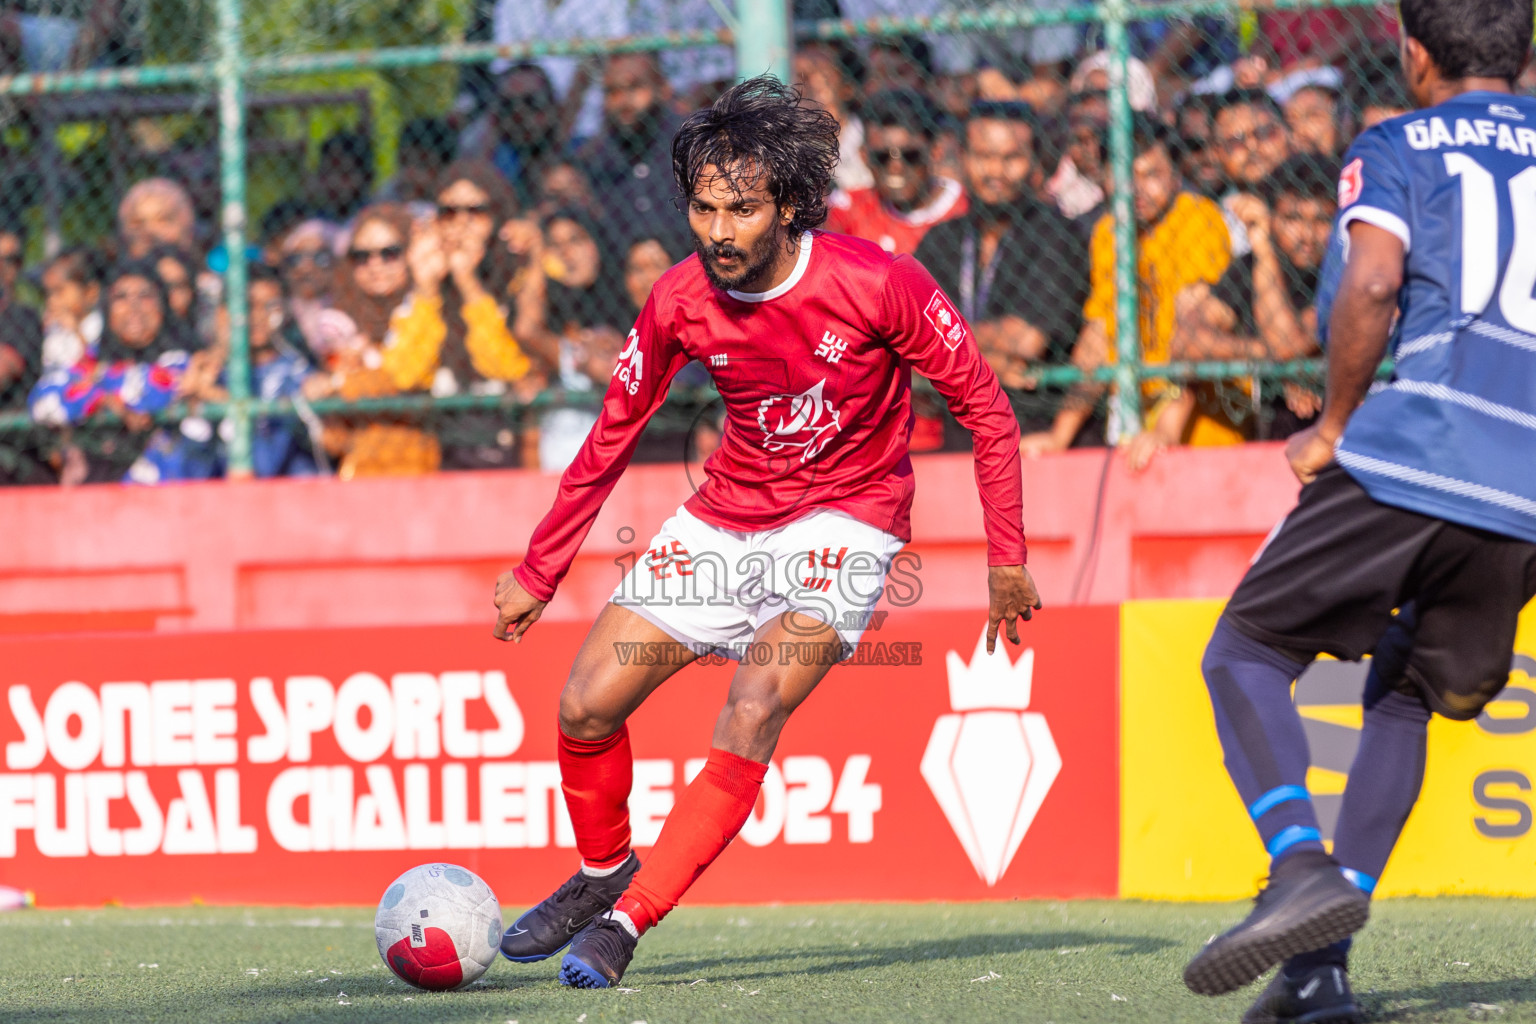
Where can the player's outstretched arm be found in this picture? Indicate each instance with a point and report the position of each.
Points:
(636, 389)
(1358, 331)
(1011, 596)
(516, 609)
(920, 323)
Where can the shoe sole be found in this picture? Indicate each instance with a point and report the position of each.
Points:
(575, 973)
(1235, 964)
(540, 956)
(1330, 1016)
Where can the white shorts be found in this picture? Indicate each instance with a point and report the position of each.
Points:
(713, 588)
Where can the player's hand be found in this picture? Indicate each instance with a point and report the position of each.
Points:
(517, 609)
(426, 258)
(1032, 446)
(12, 365)
(464, 263)
(1012, 596)
(1252, 211)
(1302, 401)
(1142, 449)
(1309, 452)
(522, 238)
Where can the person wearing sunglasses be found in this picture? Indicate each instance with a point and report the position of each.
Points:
(1202, 171)
(1252, 140)
(372, 282)
(452, 336)
(908, 198)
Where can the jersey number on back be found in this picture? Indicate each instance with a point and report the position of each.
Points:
(1480, 242)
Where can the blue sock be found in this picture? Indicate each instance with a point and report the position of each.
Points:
(1388, 770)
(1262, 738)
(1384, 780)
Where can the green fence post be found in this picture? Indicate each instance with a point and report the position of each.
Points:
(1121, 155)
(762, 39)
(231, 79)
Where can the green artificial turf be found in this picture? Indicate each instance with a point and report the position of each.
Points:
(1419, 960)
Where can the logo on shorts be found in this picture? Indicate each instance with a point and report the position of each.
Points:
(941, 314)
(1351, 182)
(806, 422)
(822, 581)
(991, 762)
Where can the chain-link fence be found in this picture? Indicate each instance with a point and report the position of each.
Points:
(402, 236)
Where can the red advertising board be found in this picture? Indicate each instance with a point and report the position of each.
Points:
(313, 766)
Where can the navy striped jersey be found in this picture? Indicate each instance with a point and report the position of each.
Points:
(1453, 433)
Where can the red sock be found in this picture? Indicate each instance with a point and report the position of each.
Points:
(596, 776)
(704, 821)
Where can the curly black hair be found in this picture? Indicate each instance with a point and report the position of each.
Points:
(757, 133)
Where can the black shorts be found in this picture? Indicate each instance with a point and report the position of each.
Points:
(1331, 574)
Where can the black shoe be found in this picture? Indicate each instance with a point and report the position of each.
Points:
(549, 927)
(599, 956)
(1320, 995)
(1307, 904)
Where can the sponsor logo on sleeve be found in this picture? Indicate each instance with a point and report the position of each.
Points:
(631, 363)
(941, 314)
(1351, 182)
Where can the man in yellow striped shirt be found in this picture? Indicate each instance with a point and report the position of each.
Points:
(1181, 238)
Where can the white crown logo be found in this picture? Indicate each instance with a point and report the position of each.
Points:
(990, 763)
(990, 680)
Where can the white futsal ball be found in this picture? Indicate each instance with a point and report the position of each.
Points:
(438, 926)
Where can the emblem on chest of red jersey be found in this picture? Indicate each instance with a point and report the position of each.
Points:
(804, 423)
(941, 313)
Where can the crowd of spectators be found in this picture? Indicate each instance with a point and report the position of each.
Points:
(522, 230)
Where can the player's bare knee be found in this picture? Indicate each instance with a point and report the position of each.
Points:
(759, 716)
(582, 718)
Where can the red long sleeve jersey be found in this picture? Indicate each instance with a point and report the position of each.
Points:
(816, 377)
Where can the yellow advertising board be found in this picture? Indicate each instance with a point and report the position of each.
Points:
(1184, 833)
